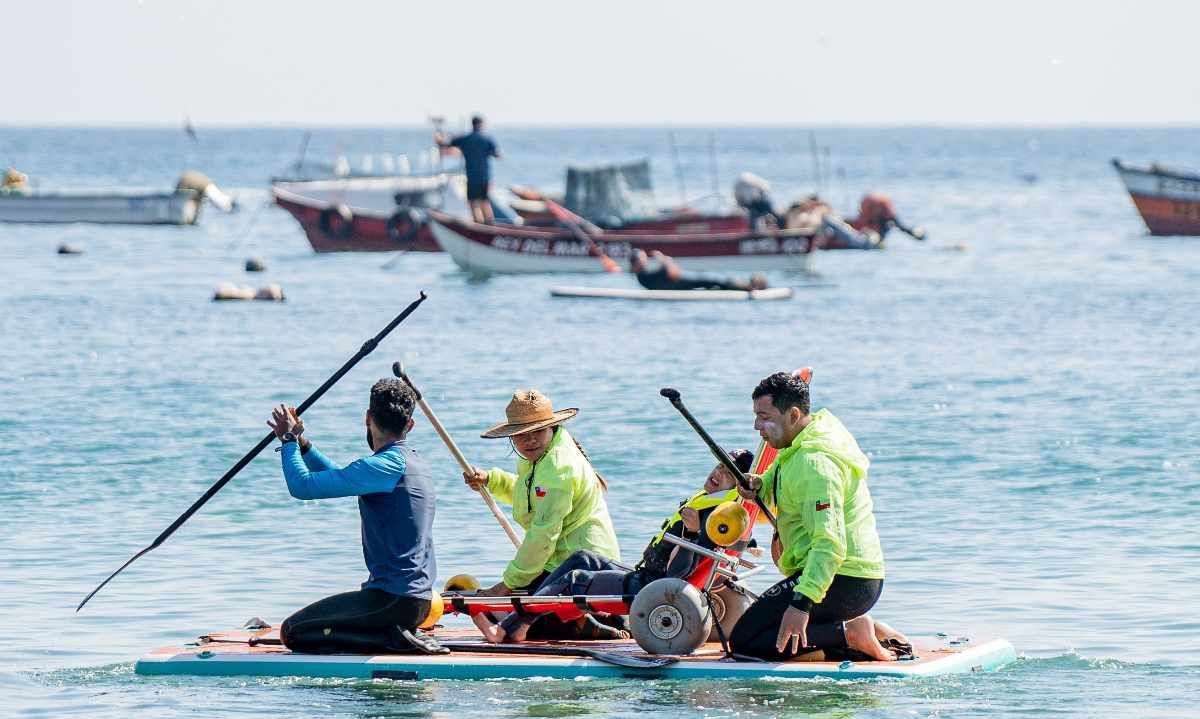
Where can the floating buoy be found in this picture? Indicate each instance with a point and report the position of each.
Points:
(255, 264)
(230, 291)
(67, 248)
(461, 583)
(726, 523)
(436, 607)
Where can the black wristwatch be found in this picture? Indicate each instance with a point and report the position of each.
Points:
(288, 437)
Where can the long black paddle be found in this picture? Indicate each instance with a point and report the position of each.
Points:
(366, 349)
(721, 455)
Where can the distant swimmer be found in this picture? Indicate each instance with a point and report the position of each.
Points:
(478, 149)
(831, 555)
(396, 504)
(656, 271)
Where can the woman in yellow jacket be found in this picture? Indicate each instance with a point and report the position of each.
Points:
(556, 494)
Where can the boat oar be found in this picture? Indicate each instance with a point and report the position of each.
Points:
(722, 456)
(583, 230)
(398, 370)
(917, 233)
(365, 350)
(621, 660)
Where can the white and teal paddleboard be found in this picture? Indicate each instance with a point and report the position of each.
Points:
(620, 293)
(232, 654)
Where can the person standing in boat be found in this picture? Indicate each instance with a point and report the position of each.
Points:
(831, 555)
(396, 503)
(657, 271)
(478, 149)
(556, 494)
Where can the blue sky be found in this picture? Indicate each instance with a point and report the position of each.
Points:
(394, 63)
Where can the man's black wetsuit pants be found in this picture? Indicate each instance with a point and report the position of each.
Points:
(364, 622)
(848, 597)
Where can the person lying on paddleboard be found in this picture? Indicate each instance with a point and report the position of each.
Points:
(556, 496)
(831, 555)
(656, 271)
(587, 573)
(396, 503)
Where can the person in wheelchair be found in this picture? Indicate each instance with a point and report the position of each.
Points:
(586, 573)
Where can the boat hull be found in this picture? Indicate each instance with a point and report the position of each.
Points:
(620, 293)
(377, 222)
(1168, 201)
(223, 655)
(173, 208)
(500, 249)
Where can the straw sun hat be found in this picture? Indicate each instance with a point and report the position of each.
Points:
(529, 410)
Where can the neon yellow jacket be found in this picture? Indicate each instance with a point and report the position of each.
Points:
(560, 504)
(826, 520)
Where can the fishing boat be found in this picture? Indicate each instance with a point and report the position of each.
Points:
(1168, 200)
(118, 206)
(257, 653)
(372, 214)
(504, 248)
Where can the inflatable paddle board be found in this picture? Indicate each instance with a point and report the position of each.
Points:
(618, 293)
(258, 654)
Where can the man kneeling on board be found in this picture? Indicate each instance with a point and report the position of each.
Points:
(396, 505)
(586, 573)
(656, 271)
(831, 554)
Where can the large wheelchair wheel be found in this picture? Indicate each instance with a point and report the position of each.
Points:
(670, 616)
(730, 602)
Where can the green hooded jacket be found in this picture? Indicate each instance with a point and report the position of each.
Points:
(560, 504)
(826, 520)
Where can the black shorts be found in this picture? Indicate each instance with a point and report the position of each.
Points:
(478, 189)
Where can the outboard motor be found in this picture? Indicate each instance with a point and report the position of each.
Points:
(753, 194)
(199, 183)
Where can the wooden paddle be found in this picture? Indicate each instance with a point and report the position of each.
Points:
(583, 231)
(398, 370)
(368, 347)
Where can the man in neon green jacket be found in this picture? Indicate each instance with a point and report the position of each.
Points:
(556, 494)
(831, 554)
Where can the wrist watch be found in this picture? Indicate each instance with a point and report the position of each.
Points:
(288, 437)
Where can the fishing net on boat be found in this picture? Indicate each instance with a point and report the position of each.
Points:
(611, 195)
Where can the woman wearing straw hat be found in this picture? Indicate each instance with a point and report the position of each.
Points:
(556, 494)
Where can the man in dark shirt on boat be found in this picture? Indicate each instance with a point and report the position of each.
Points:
(396, 505)
(477, 149)
(656, 271)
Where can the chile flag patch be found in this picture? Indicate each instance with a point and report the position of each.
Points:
(822, 506)
(539, 491)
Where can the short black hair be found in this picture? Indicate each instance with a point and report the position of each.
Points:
(392, 403)
(476, 121)
(786, 390)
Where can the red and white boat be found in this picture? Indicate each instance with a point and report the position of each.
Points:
(1168, 200)
(371, 214)
(501, 249)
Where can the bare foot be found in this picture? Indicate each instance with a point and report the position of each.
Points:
(886, 631)
(860, 635)
(492, 632)
(518, 633)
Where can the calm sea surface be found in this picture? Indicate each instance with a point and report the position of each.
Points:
(1029, 404)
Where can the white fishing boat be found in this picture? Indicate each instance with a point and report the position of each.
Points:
(119, 206)
(501, 248)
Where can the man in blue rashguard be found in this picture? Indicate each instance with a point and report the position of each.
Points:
(396, 505)
(477, 148)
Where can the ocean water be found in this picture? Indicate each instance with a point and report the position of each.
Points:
(1025, 383)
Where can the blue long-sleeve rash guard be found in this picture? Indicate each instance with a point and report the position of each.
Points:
(312, 476)
(396, 503)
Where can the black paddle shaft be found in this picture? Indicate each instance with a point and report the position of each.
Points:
(722, 456)
(368, 347)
